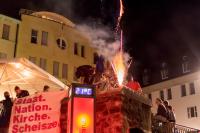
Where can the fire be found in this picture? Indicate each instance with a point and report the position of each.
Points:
(121, 12)
(119, 67)
(121, 9)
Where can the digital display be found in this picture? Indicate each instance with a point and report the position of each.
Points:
(83, 91)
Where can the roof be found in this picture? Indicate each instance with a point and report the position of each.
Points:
(10, 18)
(23, 73)
(54, 17)
(173, 82)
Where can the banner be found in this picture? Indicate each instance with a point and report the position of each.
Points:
(39, 113)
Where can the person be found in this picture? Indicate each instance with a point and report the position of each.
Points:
(21, 93)
(172, 119)
(6, 113)
(161, 110)
(160, 119)
(166, 104)
(134, 85)
(46, 88)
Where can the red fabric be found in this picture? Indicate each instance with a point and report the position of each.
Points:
(133, 85)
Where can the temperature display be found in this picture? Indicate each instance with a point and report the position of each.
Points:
(83, 91)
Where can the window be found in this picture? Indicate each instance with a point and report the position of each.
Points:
(169, 94)
(185, 64)
(32, 59)
(44, 40)
(56, 69)
(61, 44)
(183, 90)
(162, 95)
(6, 31)
(75, 78)
(164, 71)
(43, 63)
(82, 51)
(64, 71)
(145, 77)
(150, 96)
(95, 58)
(192, 88)
(192, 112)
(76, 48)
(3, 56)
(34, 34)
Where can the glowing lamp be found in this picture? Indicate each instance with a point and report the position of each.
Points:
(81, 109)
(26, 73)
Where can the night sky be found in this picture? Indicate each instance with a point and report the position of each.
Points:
(155, 31)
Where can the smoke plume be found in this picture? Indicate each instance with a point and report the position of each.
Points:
(101, 39)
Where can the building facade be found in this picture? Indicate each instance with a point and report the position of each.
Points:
(183, 93)
(8, 37)
(47, 39)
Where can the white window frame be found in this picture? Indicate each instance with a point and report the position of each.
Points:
(33, 59)
(34, 36)
(192, 92)
(189, 110)
(65, 71)
(44, 39)
(56, 65)
(43, 63)
(164, 73)
(6, 31)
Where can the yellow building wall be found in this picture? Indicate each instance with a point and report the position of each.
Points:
(52, 52)
(7, 46)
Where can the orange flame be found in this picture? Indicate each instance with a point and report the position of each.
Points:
(119, 67)
(121, 9)
(120, 14)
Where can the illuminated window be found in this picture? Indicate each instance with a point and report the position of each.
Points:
(169, 94)
(56, 69)
(192, 112)
(192, 88)
(76, 48)
(183, 90)
(34, 34)
(185, 65)
(61, 43)
(162, 95)
(44, 40)
(82, 51)
(164, 71)
(3, 55)
(64, 71)
(43, 63)
(6, 31)
(32, 59)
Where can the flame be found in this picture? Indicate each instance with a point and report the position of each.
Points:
(121, 9)
(121, 12)
(119, 67)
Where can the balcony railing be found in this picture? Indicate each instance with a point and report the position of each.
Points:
(184, 129)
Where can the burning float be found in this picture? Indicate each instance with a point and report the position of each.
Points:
(118, 108)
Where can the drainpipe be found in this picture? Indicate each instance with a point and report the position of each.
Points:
(16, 41)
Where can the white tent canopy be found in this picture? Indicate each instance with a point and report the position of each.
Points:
(21, 72)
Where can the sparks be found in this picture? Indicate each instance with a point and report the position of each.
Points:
(118, 64)
(121, 12)
(119, 67)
